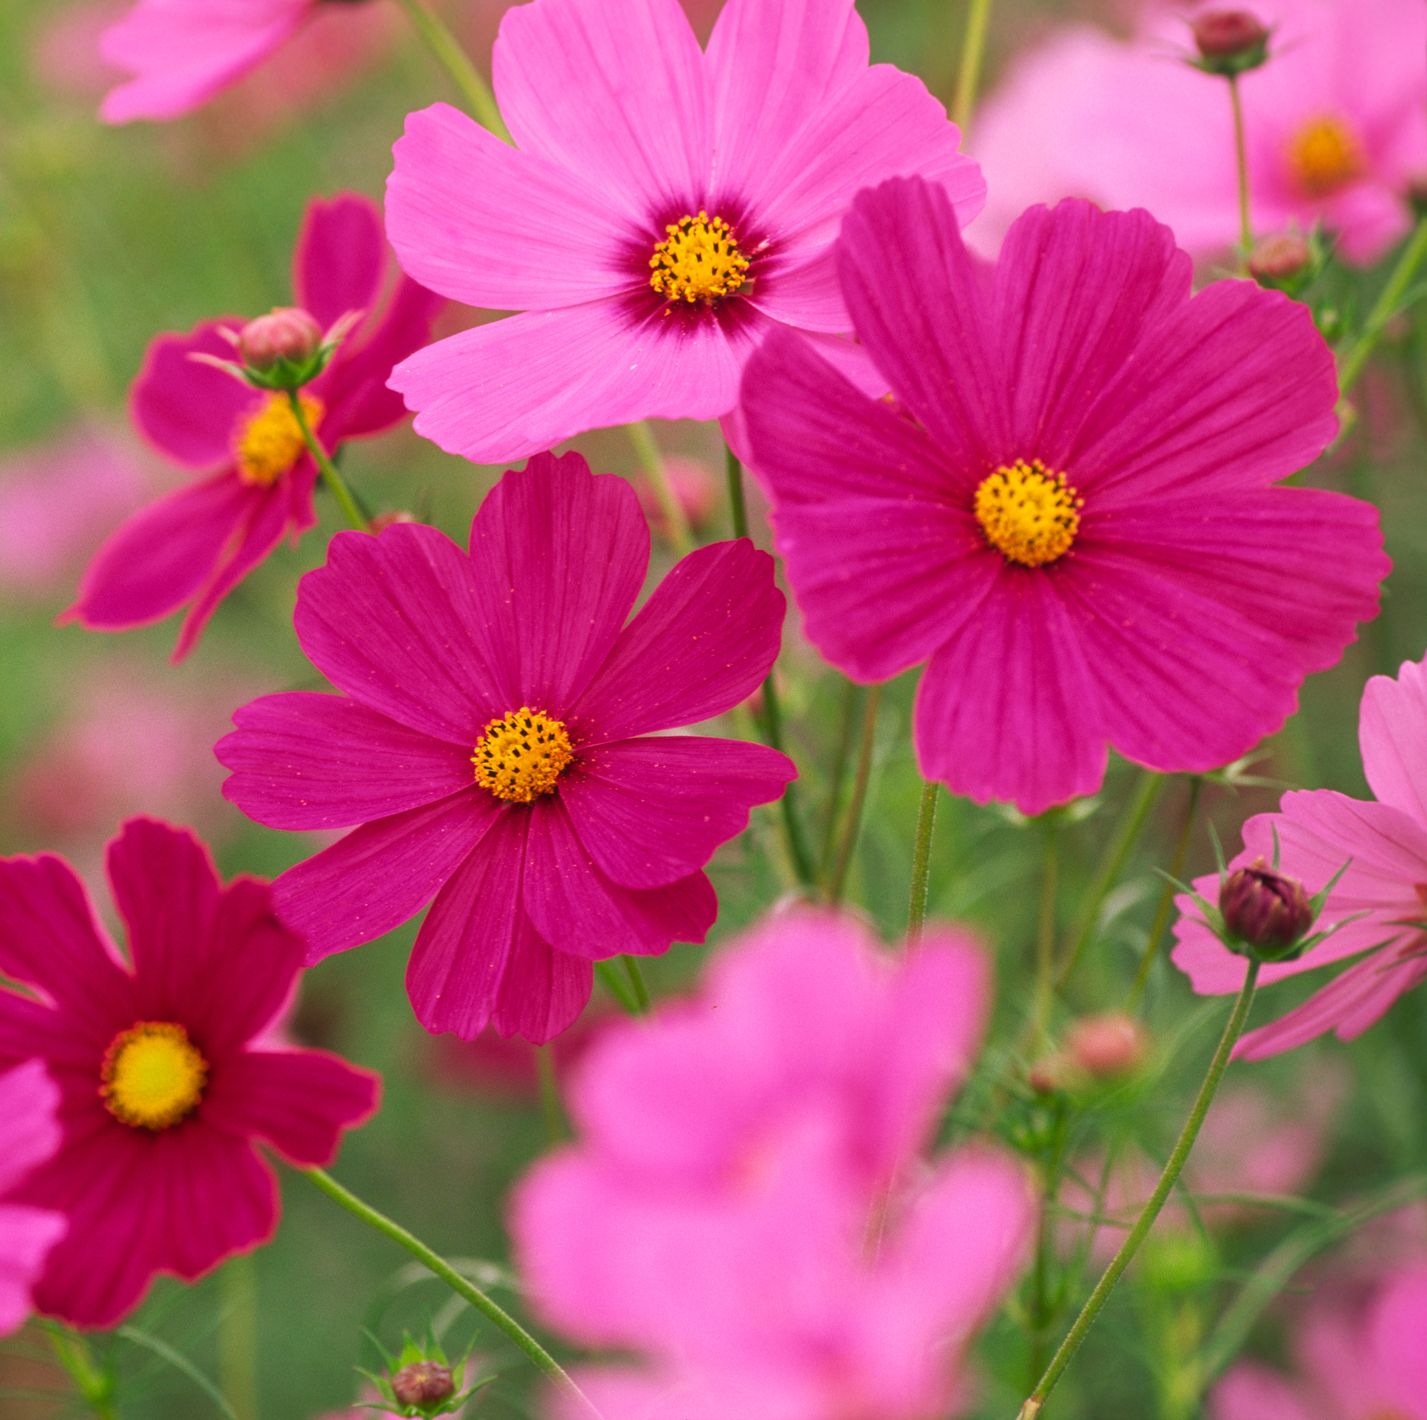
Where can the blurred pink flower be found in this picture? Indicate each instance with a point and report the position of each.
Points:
(29, 1136)
(783, 1249)
(694, 488)
(1336, 123)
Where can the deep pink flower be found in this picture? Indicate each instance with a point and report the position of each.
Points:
(1384, 844)
(662, 209)
(29, 1135)
(193, 547)
(1069, 514)
(782, 1251)
(164, 1088)
(580, 833)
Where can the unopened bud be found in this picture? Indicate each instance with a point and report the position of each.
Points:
(1279, 260)
(1051, 1075)
(1107, 1047)
(1266, 910)
(423, 1383)
(1230, 41)
(391, 518)
(286, 333)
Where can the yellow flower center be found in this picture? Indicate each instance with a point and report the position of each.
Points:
(152, 1076)
(269, 442)
(521, 755)
(1029, 515)
(1324, 154)
(698, 261)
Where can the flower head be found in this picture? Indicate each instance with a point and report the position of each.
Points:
(165, 1082)
(1069, 514)
(496, 748)
(662, 208)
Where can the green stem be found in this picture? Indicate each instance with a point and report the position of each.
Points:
(456, 62)
(1352, 363)
(1041, 1311)
(922, 862)
(1045, 930)
(1166, 896)
(836, 878)
(551, 1109)
(351, 509)
(627, 988)
(968, 77)
(651, 460)
(95, 1386)
(637, 989)
(1233, 1028)
(1241, 168)
(837, 780)
(238, 1336)
(737, 505)
(436, 1264)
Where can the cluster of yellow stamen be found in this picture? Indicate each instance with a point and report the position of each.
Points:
(699, 260)
(152, 1076)
(269, 441)
(1029, 514)
(522, 754)
(1324, 154)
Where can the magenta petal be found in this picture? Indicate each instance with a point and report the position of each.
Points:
(340, 259)
(187, 410)
(303, 761)
(1392, 731)
(381, 873)
(656, 809)
(705, 639)
(1254, 1392)
(27, 1236)
(542, 992)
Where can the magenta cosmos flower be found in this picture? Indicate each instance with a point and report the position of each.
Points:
(1069, 512)
(496, 745)
(165, 1083)
(662, 209)
(1383, 844)
(728, 1244)
(29, 1135)
(194, 546)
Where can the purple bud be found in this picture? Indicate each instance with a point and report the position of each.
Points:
(1264, 909)
(423, 1383)
(285, 333)
(1229, 34)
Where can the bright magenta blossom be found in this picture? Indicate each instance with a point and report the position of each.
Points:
(193, 547)
(29, 1136)
(165, 1082)
(1069, 513)
(785, 1250)
(1383, 844)
(663, 208)
(496, 744)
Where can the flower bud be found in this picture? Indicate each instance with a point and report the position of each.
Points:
(1266, 910)
(1050, 1075)
(1107, 1047)
(285, 333)
(391, 518)
(1279, 260)
(1230, 41)
(423, 1383)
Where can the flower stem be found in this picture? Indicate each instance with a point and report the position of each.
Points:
(968, 77)
(95, 1385)
(238, 1336)
(456, 62)
(1166, 897)
(1233, 1028)
(330, 476)
(835, 874)
(651, 460)
(628, 989)
(637, 989)
(837, 777)
(551, 1109)
(1241, 167)
(737, 506)
(922, 862)
(1352, 363)
(438, 1265)
(1045, 929)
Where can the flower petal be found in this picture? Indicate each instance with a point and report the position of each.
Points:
(29, 1130)
(1392, 730)
(340, 259)
(188, 410)
(26, 1237)
(1252, 1392)
(542, 991)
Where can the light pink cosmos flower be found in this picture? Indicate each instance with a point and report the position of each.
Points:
(663, 208)
(194, 546)
(1130, 124)
(1384, 844)
(165, 1085)
(1353, 1363)
(783, 1250)
(1070, 513)
(497, 745)
(29, 1136)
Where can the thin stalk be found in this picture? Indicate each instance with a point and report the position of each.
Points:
(737, 505)
(1384, 308)
(95, 1386)
(968, 76)
(238, 1336)
(551, 1110)
(1045, 930)
(1040, 1304)
(837, 780)
(447, 52)
(637, 989)
(922, 862)
(436, 1264)
(346, 500)
(836, 878)
(651, 460)
(1166, 896)
(1233, 1029)
(1241, 168)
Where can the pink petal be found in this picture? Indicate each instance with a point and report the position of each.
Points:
(27, 1236)
(1395, 1329)
(304, 761)
(340, 259)
(705, 639)
(649, 811)
(1392, 730)
(542, 991)
(187, 410)
(29, 1130)
(1254, 1392)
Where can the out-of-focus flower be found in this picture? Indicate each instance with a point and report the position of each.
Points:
(663, 208)
(694, 488)
(165, 1089)
(525, 788)
(29, 1136)
(1107, 1047)
(784, 1250)
(1381, 898)
(194, 546)
(1070, 513)
(1131, 124)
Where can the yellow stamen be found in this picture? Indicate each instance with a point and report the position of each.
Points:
(522, 754)
(152, 1076)
(1324, 154)
(1029, 515)
(268, 442)
(698, 261)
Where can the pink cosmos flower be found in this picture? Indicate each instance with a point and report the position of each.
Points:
(164, 1090)
(783, 1251)
(29, 1136)
(1354, 1363)
(1070, 513)
(1130, 124)
(579, 833)
(1384, 844)
(194, 546)
(663, 208)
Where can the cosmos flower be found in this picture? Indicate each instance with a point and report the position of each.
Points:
(496, 745)
(165, 1086)
(192, 547)
(785, 1250)
(1383, 842)
(29, 1135)
(1069, 512)
(663, 208)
